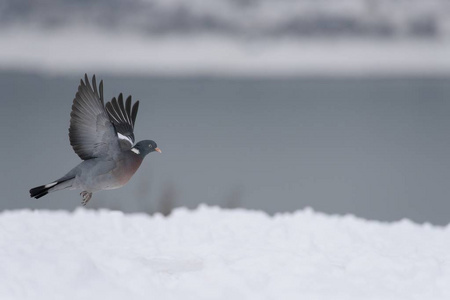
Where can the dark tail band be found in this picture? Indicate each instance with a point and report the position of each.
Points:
(40, 191)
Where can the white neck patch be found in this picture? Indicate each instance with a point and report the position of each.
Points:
(135, 150)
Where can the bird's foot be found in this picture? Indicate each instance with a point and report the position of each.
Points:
(86, 197)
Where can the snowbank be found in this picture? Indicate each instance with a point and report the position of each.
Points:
(210, 253)
(65, 52)
(227, 37)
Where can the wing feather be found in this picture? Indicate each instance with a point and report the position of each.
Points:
(123, 117)
(91, 132)
(128, 109)
(134, 112)
(122, 109)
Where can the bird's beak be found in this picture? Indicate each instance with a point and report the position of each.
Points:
(158, 150)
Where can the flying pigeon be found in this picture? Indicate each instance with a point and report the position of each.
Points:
(102, 136)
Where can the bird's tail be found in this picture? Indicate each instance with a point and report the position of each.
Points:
(57, 185)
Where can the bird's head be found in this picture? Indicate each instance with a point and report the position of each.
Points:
(145, 147)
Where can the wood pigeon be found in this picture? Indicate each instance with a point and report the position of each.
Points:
(102, 136)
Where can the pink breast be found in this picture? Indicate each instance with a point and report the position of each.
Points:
(129, 167)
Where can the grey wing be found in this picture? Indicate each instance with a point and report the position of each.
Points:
(123, 116)
(91, 132)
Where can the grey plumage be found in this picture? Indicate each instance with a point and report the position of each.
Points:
(123, 118)
(91, 133)
(103, 137)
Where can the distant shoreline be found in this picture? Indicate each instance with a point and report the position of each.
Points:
(76, 51)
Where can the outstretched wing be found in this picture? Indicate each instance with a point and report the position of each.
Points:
(123, 116)
(91, 132)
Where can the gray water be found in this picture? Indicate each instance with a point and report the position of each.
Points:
(376, 148)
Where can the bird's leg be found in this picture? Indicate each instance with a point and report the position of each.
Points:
(86, 197)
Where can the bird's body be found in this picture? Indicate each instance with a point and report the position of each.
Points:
(103, 137)
(103, 173)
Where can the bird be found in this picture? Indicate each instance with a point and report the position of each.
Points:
(103, 137)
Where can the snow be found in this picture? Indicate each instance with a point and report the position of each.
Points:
(62, 52)
(211, 253)
(227, 37)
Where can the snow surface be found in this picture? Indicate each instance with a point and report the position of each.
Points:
(64, 52)
(227, 37)
(211, 253)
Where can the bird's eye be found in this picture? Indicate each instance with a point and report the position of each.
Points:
(150, 146)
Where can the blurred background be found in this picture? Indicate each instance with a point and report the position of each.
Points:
(342, 106)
